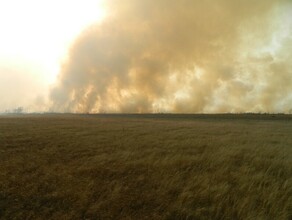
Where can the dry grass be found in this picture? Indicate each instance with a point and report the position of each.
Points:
(145, 167)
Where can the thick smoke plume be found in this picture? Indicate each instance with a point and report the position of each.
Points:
(181, 56)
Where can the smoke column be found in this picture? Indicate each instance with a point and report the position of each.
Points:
(185, 56)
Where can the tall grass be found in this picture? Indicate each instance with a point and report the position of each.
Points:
(144, 167)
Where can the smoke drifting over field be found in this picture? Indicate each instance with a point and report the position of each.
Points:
(181, 56)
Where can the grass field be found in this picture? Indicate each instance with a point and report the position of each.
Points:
(146, 166)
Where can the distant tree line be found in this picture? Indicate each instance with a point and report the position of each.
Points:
(18, 110)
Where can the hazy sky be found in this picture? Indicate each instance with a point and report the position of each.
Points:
(146, 55)
(34, 39)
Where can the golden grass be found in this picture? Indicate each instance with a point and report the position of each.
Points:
(145, 167)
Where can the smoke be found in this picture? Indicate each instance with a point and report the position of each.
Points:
(181, 56)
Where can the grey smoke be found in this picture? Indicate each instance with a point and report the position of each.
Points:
(181, 56)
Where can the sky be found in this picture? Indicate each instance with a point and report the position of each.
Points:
(146, 56)
(34, 39)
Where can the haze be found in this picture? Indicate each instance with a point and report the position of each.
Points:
(34, 40)
(154, 56)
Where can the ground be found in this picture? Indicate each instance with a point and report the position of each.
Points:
(162, 166)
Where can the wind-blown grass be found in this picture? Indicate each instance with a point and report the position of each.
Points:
(145, 167)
